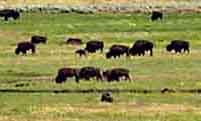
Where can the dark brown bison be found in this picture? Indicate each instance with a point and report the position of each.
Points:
(140, 47)
(36, 39)
(9, 13)
(178, 46)
(90, 72)
(106, 97)
(117, 51)
(81, 52)
(156, 15)
(24, 47)
(93, 46)
(167, 90)
(65, 73)
(74, 41)
(116, 74)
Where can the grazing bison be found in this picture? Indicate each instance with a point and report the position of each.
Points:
(167, 90)
(93, 46)
(178, 46)
(90, 72)
(74, 41)
(65, 73)
(140, 47)
(116, 74)
(81, 52)
(24, 47)
(7, 13)
(117, 51)
(106, 97)
(38, 39)
(156, 15)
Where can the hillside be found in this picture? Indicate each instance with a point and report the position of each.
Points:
(89, 2)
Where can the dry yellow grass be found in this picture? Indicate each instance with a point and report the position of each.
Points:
(117, 108)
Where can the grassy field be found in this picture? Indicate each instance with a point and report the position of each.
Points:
(38, 71)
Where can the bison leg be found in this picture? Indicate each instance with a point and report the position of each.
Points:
(127, 54)
(143, 53)
(186, 49)
(139, 53)
(6, 18)
(24, 52)
(77, 79)
(151, 52)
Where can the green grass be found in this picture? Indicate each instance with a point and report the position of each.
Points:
(161, 70)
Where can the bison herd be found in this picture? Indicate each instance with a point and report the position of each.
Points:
(139, 48)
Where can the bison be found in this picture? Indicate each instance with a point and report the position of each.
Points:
(9, 13)
(81, 52)
(90, 72)
(117, 51)
(178, 46)
(65, 73)
(140, 47)
(106, 97)
(156, 15)
(24, 47)
(116, 74)
(74, 41)
(36, 39)
(93, 46)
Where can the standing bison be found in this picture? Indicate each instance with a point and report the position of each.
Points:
(9, 13)
(117, 51)
(36, 39)
(93, 46)
(90, 72)
(24, 47)
(156, 15)
(65, 73)
(116, 74)
(74, 41)
(140, 47)
(178, 46)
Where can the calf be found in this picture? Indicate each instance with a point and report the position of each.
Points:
(9, 13)
(116, 74)
(178, 46)
(117, 51)
(65, 73)
(81, 52)
(24, 47)
(93, 46)
(38, 39)
(106, 97)
(140, 47)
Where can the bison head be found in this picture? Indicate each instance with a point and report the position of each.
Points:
(59, 79)
(17, 51)
(16, 15)
(108, 55)
(169, 47)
